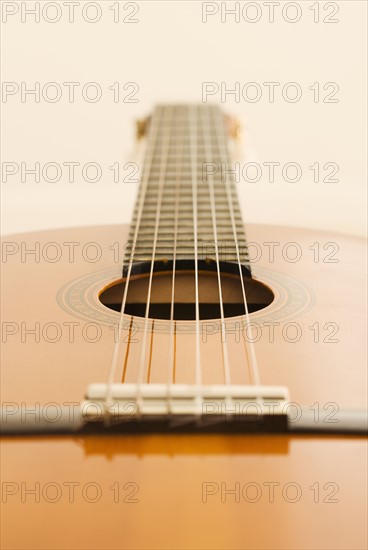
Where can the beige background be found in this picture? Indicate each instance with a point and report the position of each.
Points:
(169, 53)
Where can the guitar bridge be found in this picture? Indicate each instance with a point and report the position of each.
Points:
(183, 404)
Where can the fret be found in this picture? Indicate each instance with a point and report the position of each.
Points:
(201, 197)
(182, 151)
(150, 212)
(145, 236)
(204, 237)
(186, 205)
(186, 214)
(187, 237)
(185, 209)
(223, 246)
(187, 220)
(189, 250)
(186, 199)
(170, 173)
(173, 165)
(170, 219)
(203, 248)
(183, 142)
(202, 194)
(185, 256)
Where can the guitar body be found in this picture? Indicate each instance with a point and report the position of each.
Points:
(183, 490)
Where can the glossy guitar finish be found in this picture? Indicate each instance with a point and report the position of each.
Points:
(184, 491)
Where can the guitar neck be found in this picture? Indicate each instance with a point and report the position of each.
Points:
(185, 207)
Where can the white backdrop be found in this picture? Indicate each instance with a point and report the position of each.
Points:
(165, 52)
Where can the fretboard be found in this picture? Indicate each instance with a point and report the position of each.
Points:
(185, 206)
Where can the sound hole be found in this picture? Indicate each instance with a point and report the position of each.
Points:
(258, 295)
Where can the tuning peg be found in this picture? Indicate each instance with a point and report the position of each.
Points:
(234, 127)
(142, 127)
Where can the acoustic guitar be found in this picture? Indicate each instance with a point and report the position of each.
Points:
(184, 383)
